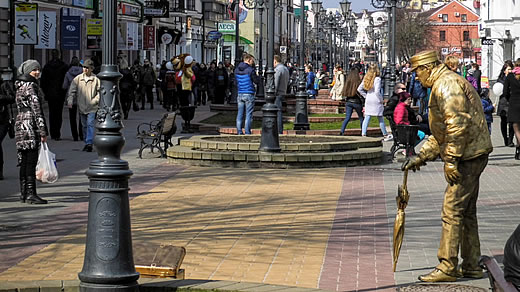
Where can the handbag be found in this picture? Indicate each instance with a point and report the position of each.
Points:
(10, 125)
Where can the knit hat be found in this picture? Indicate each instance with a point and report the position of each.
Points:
(28, 66)
(403, 96)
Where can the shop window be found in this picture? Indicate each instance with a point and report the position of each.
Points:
(465, 36)
(464, 18)
(442, 36)
(190, 5)
(445, 18)
(177, 5)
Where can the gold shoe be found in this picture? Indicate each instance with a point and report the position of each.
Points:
(437, 276)
(474, 274)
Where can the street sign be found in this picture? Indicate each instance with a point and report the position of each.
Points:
(214, 35)
(226, 27)
(283, 49)
(487, 42)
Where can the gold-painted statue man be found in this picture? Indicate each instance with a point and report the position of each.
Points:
(461, 137)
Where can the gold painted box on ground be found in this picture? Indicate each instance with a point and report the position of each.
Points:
(159, 261)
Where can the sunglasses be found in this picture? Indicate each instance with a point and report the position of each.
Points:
(402, 88)
(86, 67)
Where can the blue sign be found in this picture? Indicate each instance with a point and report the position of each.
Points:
(214, 35)
(71, 32)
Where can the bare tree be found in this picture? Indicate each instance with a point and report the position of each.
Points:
(412, 30)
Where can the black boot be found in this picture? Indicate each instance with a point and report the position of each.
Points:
(510, 141)
(23, 191)
(517, 153)
(32, 197)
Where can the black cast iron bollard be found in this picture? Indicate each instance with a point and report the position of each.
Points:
(109, 263)
(301, 120)
(270, 140)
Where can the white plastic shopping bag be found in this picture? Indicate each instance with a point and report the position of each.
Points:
(46, 170)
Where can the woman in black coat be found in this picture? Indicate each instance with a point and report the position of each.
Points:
(512, 93)
(7, 97)
(503, 106)
(127, 86)
(30, 128)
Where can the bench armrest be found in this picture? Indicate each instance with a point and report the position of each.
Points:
(496, 275)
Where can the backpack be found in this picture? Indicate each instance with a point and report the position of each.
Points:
(170, 80)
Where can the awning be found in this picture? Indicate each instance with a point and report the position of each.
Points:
(231, 38)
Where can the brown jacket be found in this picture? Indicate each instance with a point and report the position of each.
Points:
(457, 122)
(84, 91)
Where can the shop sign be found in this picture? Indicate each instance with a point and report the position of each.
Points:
(445, 51)
(214, 35)
(226, 27)
(70, 32)
(149, 37)
(484, 82)
(157, 9)
(487, 42)
(455, 50)
(79, 3)
(94, 33)
(132, 36)
(47, 30)
(127, 9)
(26, 24)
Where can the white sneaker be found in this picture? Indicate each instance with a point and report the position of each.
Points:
(388, 137)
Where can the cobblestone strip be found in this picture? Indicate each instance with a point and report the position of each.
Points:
(26, 240)
(358, 256)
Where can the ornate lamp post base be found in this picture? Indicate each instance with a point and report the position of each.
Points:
(301, 120)
(270, 141)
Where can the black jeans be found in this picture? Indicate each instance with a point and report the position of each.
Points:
(75, 128)
(28, 164)
(148, 92)
(504, 125)
(3, 133)
(56, 115)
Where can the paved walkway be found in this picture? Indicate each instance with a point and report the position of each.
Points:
(317, 228)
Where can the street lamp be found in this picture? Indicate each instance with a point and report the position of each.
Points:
(316, 8)
(390, 68)
(109, 262)
(259, 4)
(301, 120)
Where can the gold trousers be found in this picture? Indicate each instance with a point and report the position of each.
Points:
(459, 219)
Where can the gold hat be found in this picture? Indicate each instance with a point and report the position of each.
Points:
(423, 58)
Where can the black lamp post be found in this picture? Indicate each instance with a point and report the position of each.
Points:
(109, 263)
(237, 32)
(269, 141)
(392, 5)
(259, 4)
(316, 8)
(301, 120)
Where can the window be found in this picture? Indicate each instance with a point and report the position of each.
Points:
(445, 18)
(464, 18)
(465, 36)
(442, 36)
(190, 5)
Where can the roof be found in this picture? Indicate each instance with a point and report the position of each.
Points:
(435, 11)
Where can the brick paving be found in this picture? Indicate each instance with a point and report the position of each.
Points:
(317, 228)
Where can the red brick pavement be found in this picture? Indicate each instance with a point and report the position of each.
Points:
(27, 240)
(358, 255)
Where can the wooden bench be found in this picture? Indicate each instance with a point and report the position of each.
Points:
(496, 275)
(154, 133)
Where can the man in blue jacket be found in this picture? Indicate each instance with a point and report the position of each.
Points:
(245, 80)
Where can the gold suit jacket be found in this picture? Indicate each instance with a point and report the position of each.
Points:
(457, 122)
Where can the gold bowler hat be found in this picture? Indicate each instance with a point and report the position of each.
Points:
(423, 58)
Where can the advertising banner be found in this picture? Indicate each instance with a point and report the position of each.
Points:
(70, 32)
(26, 24)
(132, 36)
(148, 37)
(94, 33)
(47, 30)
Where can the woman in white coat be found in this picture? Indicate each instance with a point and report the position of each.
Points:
(370, 89)
(336, 92)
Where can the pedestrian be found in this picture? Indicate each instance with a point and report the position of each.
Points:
(75, 128)
(84, 89)
(30, 128)
(512, 94)
(477, 74)
(459, 137)
(127, 87)
(245, 80)
(488, 107)
(52, 77)
(187, 79)
(136, 72)
(310, 82)
(503, 105)
(221, 83)
(403, 112)
(370, 89)
(353, 99)
(211, 76)
(336, 92)
(203, 85)
(418, 92)
(281, 79)
(7, 98)
(146, 82)
(159, 81)
(452, 62)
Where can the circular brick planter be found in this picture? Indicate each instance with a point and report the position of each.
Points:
(316, 152)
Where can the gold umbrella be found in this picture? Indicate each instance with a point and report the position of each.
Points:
(402, 201)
